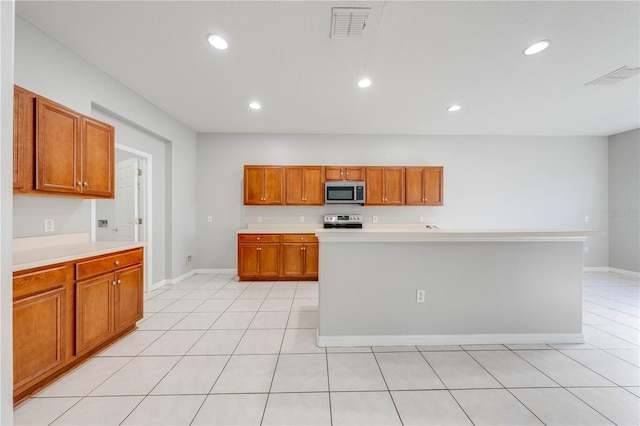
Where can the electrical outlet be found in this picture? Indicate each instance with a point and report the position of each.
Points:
(421, 219)
(301, 219)
(586, 219)
(259, 219)
(48, 225)
(189, 259)
(209, 218)
(420, 295)
(375, 219)
(586, 250)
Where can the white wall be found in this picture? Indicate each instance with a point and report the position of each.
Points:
(44, 66)
(624, 201)
(138, 139)
(6, 211)
(489, 182)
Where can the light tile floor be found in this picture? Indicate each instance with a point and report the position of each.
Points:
(214, 351)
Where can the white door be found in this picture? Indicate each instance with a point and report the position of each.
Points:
(126, 200)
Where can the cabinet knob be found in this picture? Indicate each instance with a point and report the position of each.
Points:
(117, 262)
(114, 283)
(86, 184)
(79, 183)
(258, 238)
(119, 281)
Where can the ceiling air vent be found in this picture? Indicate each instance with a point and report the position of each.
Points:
(615, 76)
(349, 21)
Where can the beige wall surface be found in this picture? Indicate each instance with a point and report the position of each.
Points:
(510, 182)
(624, 201)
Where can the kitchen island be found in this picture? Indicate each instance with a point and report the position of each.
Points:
(480, 286)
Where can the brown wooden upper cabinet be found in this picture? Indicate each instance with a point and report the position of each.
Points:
(263, 185)
(22, 134)
(58, 151)
(423, 186)
(343, 173)
(385, 186)
(97, 158)
(304, 185)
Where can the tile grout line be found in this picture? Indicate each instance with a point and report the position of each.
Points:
(275, 367)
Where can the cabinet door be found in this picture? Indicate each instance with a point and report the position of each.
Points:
(248, 260)
(354, 173)
(394, 186)
(433, 186)
(97, 158)
(273, 185)
(294, 185)
(94, 312)
(38, 336)
(311, 260)
(57, 148)
(20, 135)
(253, 185)
(269, 260)
(293, 259)
(375, 186)
(414, 186)
(333, 173)
(313, 186)
(127, 297)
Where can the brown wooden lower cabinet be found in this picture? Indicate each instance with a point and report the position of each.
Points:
(274, 257)
(64, 313)
(38, 335)
(299, 256)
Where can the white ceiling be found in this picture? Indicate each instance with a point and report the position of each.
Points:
(422, 56)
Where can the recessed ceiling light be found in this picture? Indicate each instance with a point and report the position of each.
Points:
(364, 83)
(255, 105)
(217, 41)
(454, 108)
(537, 47)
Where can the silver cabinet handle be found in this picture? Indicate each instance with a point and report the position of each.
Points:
(114, 283)
(119, 281)
(117, 262)
(86, 184)
(79, 183)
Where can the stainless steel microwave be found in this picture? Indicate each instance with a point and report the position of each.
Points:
(344, 192)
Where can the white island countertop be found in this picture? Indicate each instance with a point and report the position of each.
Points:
(35, 252)
(417, 232)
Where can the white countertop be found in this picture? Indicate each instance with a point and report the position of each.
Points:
(418, 232)
(42, 251)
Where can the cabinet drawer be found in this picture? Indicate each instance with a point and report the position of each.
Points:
(107, 263)
(299, 238)
(258, 238)
(39, 281)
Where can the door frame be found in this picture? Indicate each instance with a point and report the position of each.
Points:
(147, 219)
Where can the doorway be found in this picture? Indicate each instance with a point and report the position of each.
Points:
(127, 217)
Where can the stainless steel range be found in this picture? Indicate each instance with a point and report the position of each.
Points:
(352, 221)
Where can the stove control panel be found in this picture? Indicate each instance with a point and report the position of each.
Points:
(343, 218)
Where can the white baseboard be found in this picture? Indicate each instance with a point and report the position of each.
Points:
(217, 271)
(595, 269)
(609, 269)
(625, 272)
(452, 339)
(183, 277)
